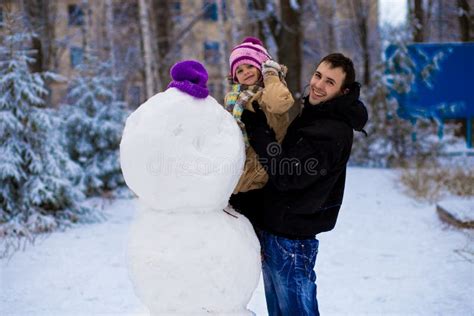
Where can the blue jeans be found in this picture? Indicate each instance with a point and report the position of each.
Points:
(288, 275)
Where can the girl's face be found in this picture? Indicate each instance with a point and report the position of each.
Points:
(247, 74)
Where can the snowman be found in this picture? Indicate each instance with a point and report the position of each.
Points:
(182, 154)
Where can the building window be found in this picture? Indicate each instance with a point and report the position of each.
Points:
(125, 14)
(176, 12)
(224, 9)
(1, 17)
(176, 8)
(77, 56)
(134, 96)
(250, 6)
(211, 52)
(210, 10)
(76, 15)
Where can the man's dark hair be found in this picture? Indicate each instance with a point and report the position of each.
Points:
(337, 60)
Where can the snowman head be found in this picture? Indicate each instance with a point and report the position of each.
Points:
(180, 149)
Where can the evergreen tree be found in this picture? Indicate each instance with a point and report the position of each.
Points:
(36, 175)
(94, 121)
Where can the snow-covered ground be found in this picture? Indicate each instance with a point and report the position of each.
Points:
(388, 255)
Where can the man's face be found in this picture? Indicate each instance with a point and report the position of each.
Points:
(326, 83)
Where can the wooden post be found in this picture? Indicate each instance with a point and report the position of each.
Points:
(469, 132)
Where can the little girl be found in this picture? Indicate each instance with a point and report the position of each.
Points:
(256, 77)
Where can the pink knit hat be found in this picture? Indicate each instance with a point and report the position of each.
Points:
(251, 52)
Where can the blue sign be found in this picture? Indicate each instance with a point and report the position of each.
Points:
(432, 80)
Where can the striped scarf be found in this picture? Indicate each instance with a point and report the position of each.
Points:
(238, 96)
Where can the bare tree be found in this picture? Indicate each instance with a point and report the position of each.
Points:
(163, 29)
(417, 14)
(285, 30)
(319, 17)
(360, 13)
(222, 52)
(464, 27)
(42, 16)
(289, 39)
(109, 28)
(265, 16)
(465, 22)
(170, 29)
(331, 20)
(148, 57)
(235, 28)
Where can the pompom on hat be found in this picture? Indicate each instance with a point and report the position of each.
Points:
(190, 77)
(251, 52)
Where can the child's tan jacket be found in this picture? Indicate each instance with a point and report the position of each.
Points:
(275, 100)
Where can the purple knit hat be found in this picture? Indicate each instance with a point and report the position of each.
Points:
(190, 76)
(250, 51)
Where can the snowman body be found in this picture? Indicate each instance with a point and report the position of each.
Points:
(183, 157)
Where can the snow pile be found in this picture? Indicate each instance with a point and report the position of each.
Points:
(173, 144)
(462, 209)
(194, 263)
(388, 255)
(183, 157)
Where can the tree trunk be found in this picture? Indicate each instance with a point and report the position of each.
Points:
(418, 21)
(42, 15)
(288, 36)
(464, 28)
(332, 36)
(365, 51)
(222, 52)
(163, 33)
(147, 47)
(109, 28)
(289, 42)
(464, 20)
(235, 33)
(361, 11)
(267, 28)
(169, 36)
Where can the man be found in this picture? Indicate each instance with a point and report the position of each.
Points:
(306, 183)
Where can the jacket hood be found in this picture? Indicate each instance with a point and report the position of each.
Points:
(347, 108)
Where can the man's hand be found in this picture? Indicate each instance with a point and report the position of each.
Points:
(254, 120)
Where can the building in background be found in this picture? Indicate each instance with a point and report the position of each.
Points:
(122, 31)
(204, 30)
(207, 30)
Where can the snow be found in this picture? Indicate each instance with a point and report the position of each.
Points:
(91, 106)
(393, 12)
(462, 209)
(387, 255)
(210, 261)
(294, 5)
(391, 255)
(81, 271)
(178, 151)
(36, 179)
(183, 157)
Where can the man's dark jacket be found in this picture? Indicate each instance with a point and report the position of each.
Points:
(307, 174)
